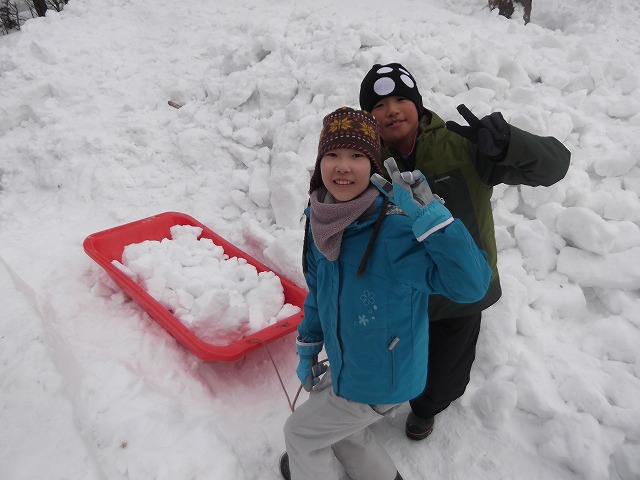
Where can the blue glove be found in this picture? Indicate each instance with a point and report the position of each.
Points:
(309, 370)
(410, 191)
(491, 134)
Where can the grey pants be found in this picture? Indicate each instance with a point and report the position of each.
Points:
(328, 428)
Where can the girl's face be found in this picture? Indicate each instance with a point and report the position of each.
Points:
(345, 173)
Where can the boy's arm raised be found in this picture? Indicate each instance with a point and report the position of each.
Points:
(507, 154)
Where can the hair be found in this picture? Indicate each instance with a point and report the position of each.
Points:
(367, 253)
(315, 183)
(358, 130)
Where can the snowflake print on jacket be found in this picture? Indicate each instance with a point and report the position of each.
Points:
(368, 300)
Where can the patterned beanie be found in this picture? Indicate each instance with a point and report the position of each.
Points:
(389, 80)
(348, 128)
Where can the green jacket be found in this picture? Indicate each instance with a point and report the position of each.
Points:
(464, 178)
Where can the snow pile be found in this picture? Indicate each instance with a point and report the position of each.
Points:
(220, 298)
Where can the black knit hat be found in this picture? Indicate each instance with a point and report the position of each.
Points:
(348, 128)
(389, 80)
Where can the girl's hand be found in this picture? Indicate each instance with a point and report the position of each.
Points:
(411, 192)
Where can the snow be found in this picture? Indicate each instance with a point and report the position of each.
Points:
(93, 388)
(220, 298)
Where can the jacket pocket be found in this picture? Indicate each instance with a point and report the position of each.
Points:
(392, 360)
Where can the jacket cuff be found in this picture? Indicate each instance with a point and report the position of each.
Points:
(308, 349)
(433, 217)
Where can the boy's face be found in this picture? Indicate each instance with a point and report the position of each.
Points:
(397, 119)
(345, 173)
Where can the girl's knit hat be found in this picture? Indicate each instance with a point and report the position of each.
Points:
(348, 128)
(386, 81)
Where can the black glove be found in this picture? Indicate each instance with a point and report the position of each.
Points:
(491, 134)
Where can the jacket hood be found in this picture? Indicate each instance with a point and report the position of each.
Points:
(430, 121)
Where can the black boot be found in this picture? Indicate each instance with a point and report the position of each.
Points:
(418, 428)
(505, 8)
(284, 466)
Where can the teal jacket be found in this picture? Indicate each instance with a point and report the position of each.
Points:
(464, 178)
(374, 327)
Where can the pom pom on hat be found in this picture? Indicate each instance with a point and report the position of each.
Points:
(386, 81)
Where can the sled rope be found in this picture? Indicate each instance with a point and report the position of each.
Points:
(292, 405)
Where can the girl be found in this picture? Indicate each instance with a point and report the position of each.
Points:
(370, 268)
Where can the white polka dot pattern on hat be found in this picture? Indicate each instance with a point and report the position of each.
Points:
(389, 80)
(407, 81)
(384, 86)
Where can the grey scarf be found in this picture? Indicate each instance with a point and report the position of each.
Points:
(329, 219)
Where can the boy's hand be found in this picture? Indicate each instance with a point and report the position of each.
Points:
(410, 191)
(491, 134)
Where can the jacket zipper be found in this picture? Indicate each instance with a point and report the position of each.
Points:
(391, 348)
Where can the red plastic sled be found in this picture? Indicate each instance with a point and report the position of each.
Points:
(108, 245)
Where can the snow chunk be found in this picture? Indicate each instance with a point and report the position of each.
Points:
(515, 74)
(614, 270)
(584, 229)
(494, 403)
(609, 166)
(613, 338)
(220, 298)
(537, 246)
(571, 438)
(624, 108)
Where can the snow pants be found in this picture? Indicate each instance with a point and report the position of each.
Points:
(327, 429)
(452, 350)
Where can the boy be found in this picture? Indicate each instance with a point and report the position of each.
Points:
(461, 164)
